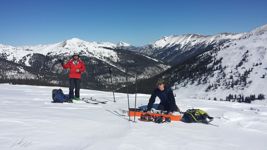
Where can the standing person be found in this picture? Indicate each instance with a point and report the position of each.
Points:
(76, 68)
(167, 100)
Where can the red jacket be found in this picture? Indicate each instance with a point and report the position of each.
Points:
(73, 68)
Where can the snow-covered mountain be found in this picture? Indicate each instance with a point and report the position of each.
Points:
(41, 61)
(177, 48)
(123, 44)
(67, 48)
(193, 39)
(236, 68)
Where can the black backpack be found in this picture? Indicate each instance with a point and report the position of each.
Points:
(196, 115)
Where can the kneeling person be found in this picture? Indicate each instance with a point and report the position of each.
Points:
(167, 100)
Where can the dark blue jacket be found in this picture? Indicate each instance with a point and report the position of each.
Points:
(167, 100)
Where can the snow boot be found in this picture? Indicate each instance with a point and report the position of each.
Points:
(76, 98)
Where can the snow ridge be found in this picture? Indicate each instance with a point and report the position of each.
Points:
(98, 50)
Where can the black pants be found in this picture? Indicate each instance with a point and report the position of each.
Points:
(74, 84)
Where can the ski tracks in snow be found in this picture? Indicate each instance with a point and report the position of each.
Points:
(21, 142)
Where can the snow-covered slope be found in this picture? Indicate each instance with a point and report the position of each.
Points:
(29, 121)
(245, 58)
(239, 67)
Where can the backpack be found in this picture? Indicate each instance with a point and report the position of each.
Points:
(196, 115)
(58, 96)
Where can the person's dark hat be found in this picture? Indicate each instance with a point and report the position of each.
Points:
(160, 81)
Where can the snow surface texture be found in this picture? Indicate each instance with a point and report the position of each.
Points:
(29, 121)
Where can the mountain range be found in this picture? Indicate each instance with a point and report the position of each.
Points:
(204, 66)
(236, 65)
(40, 63)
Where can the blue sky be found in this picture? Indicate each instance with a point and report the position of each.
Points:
(138, 22)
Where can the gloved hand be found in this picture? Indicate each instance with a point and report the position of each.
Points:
(61, 61)
(147, 110)
(170, 113)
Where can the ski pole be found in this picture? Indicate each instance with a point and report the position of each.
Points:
(110, 73)
(135, 99)
(127, 91)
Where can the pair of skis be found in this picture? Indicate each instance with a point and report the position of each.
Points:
(93, 101)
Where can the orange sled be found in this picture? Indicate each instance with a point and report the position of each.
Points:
(139, 113)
